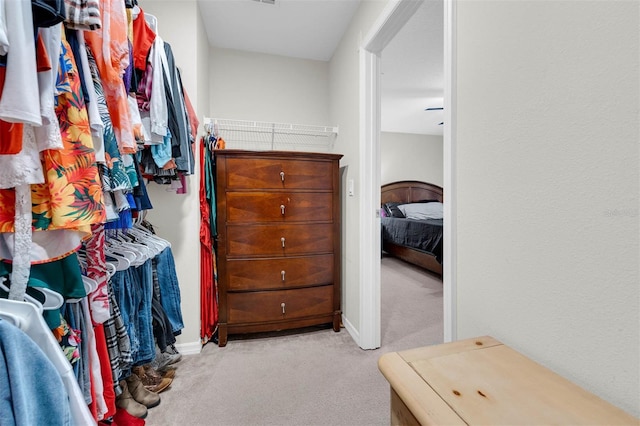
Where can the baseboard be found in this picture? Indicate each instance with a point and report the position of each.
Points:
(355, 335)
(192, 348)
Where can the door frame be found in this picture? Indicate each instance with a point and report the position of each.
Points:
(395, 15)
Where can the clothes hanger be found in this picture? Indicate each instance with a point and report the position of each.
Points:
(90, 285)
(12, 318)
(147, 240)
(110, 269)
(123, 244)
(26, 297)
(148, 234)
(119, 249)
(47, 297)
(34, 325)
(43, 296)
(119, 263)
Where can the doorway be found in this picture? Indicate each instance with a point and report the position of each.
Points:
(392, 19)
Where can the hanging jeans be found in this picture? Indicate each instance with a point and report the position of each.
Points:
(169, 289)
(133, 289)
(146, 351)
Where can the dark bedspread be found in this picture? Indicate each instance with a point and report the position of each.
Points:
(424, 235)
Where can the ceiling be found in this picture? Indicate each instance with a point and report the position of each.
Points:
(412, 63)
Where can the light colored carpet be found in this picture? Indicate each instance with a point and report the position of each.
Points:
(318, 377)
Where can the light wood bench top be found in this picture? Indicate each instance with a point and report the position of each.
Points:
(482, 381)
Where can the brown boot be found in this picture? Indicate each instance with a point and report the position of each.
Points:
(168, 371)
(153, 380)
(125, 401)
(140, 393)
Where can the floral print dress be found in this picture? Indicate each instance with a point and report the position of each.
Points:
(71, 196)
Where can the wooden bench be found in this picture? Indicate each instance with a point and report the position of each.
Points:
(482, 381)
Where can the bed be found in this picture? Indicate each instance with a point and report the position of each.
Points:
(418, 242)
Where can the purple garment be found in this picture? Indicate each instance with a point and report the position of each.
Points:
(128, 72)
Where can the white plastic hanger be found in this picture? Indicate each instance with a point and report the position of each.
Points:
(34, 325)
(110, 269)
(12, 318)
(49, 298)
(120, 263)
(26, 297)
(147, 234)
(90, 285)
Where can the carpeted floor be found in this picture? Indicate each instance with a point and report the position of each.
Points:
(317, 377)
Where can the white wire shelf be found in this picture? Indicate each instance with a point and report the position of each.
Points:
(260, 135)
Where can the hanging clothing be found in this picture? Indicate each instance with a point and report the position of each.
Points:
(110, 48)
(178, 121)
(28, 395)
(34, 326)
(208, 275)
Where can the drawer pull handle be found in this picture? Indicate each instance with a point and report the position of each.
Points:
(282, 241)
(282, 176)
(282, 209)
(282, 273)
(282, 306)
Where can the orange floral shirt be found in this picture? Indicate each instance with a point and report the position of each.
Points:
(71, 197)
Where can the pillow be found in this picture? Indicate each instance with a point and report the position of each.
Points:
(392, 209)
(422, 210)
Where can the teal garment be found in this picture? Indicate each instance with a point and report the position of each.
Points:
(161, 153)
(210, 187)
(64, 276)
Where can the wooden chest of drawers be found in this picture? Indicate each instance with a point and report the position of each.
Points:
(278, 243)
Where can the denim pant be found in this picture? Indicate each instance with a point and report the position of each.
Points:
(125, 295)
(133, 289)
(147, 351)
(169, 289)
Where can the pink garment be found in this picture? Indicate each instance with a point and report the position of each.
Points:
(97, 270)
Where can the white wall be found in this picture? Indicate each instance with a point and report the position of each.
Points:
(270, 88)
(176, 217)
(407, 156)
(344, 81)
(548, 186)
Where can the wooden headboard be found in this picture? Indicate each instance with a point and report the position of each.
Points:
(409, 191)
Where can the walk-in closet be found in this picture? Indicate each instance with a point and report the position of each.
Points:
(93, 111)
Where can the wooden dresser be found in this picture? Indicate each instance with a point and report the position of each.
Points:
(481, 381)
(278, 243)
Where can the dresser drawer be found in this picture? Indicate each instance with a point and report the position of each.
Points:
(261, 274)
(279, 240)
(277, 173)
(279, 206)
(279, 305)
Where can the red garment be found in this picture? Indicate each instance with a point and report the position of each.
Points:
(123, 418)
(108, 392)
(10, 133)
(143, 38)
(208, 301)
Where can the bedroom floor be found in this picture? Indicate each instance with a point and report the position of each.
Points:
(413, 297)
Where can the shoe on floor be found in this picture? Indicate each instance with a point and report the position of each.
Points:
(126, 401)
(164, 359)
(140, 393)
(169, 372)
(153, 380)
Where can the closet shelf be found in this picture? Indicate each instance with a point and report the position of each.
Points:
(256, 133)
